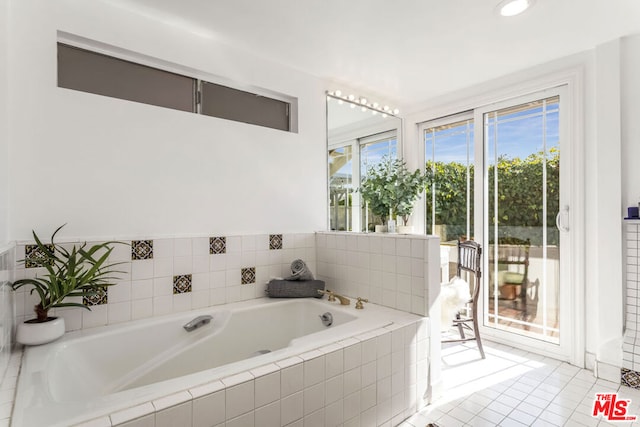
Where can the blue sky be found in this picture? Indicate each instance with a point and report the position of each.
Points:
(519, 134)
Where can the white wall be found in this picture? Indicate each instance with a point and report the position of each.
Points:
(604, 242)
(4, 133)
(109, 167)
(630, 70)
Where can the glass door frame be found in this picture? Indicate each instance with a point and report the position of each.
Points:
(568, 314)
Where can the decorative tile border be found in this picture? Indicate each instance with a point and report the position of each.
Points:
(182, 283)
(217, 245)
(630, 378)
(248, 275)
(141, 249)
(275, 241)
(32, 255)
(101, 297)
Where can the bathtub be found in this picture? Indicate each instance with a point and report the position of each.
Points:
(94, 373)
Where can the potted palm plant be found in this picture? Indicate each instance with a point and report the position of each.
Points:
(79, 272)
(391, 189)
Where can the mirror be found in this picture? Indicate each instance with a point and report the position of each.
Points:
(359, 135)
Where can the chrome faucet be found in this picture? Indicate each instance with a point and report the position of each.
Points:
(333, 296)
(197, 322)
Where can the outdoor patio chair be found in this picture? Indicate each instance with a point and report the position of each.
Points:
(513, 274)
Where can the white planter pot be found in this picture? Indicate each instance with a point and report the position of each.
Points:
(381, 228)
(40, 333)
(405, 229)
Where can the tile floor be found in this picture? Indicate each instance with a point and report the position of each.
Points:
(512, 387)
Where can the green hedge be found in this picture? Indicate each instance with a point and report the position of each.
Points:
(520, 213)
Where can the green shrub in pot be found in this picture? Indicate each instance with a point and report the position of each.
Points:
(391, 189)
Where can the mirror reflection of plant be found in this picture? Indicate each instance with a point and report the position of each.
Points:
(79, 272)
(390, 188)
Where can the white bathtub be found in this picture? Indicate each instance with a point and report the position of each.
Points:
(94, 373)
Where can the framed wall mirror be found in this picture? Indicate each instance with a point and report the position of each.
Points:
(360, 135)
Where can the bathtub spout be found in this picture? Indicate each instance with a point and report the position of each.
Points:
(197, 322)
(343, 300)
(333, 296)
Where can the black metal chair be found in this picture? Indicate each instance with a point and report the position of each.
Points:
(469, 260)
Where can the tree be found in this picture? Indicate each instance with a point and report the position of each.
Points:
(519, 195)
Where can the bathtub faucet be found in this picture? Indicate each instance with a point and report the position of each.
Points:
(333, 296)
(197, 322)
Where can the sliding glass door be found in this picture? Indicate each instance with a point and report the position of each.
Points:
(497, 176)
(522, 166)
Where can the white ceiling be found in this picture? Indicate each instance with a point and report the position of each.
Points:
(405, 51)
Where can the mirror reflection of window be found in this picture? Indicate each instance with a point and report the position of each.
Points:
(356, 139)
(373, 150)
(340, 188)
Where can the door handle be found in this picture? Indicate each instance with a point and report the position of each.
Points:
(559, 220)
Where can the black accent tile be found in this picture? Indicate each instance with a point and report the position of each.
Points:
(182, 283)
(101, 297)
(275, 241)
(33, 255)
(248, 275)
(141, 249)
(217, 245)
(630, 378)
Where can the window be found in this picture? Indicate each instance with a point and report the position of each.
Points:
(233, 104)
(92, 72)
(449, 165)
(340, 188)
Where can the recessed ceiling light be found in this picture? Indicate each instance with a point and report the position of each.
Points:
(513, 7)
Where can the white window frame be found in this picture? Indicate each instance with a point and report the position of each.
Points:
(573, 77)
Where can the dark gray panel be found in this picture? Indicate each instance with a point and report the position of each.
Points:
(92, 72)
(232, 104)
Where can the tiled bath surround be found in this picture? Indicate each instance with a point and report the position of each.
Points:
(375, 379)
(9, 364)
(393, 270)
(630, 374)
(168, 275)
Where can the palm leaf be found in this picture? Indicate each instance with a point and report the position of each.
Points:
(78, 272)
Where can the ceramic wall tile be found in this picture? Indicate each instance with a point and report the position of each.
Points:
(248, 275)
(182, 283)
(275, 241)
(391, 270)
(141, 249)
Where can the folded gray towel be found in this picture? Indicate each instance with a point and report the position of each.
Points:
(300, 271)
(277, 288)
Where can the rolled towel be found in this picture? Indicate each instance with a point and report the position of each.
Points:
(300, 271)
